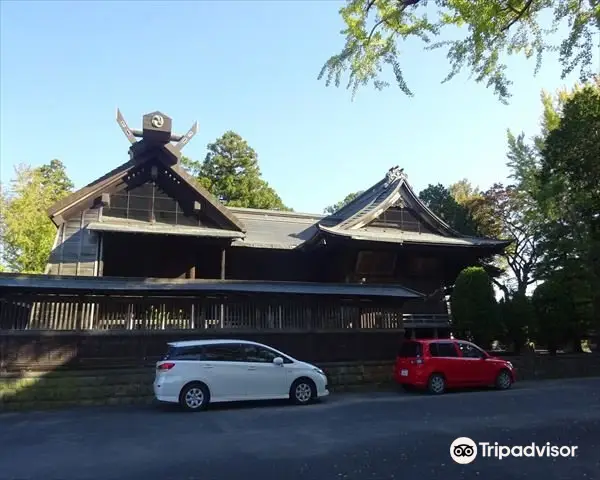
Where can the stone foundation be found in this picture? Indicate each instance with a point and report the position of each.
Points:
(62, 388)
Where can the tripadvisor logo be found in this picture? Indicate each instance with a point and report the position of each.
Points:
(464, 450)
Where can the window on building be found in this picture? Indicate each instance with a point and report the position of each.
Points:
(423, 265)
(149, 203)
(375, 263)
(403, 218)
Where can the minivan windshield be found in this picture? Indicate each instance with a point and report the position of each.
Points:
(410, 349)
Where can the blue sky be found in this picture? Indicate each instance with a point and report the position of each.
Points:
(250, 67)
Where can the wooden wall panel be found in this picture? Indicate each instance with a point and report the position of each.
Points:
(75, 250)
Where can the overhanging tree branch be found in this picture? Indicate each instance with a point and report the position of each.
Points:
(518, 16)
(403, 5)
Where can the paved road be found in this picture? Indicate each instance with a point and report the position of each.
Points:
(350, 437)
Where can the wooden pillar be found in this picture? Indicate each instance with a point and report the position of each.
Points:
(192, 323)
(223, 258)
(191, 274)
(130, 317)
(100, 256)
(435, 333)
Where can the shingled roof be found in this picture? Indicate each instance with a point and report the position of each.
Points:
(352, 220)
(273, 229)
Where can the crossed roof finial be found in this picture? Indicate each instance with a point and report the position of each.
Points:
(156, 132)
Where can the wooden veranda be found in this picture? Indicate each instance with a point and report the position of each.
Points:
(333, 316)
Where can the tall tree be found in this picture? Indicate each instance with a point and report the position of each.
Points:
(26, 231)
(441, 201)
(474, 309)
(515, 207)
(523, 221)
(54, 180)
(501, 214)
(464, 192)
(230, 171)
(516, 314)
(570, 194)
(563, 307)
(470, 212)
(491, 29)
(331, 209)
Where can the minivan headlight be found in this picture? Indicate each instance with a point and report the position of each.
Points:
(319, 371)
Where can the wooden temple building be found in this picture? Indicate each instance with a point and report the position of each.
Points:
(146, 247)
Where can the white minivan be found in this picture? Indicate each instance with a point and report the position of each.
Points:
(195, 373)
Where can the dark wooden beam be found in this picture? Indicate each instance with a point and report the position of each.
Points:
(168, 154)
(140, 134)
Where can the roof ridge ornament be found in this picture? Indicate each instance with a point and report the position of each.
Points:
(156, 135)
(394, 174)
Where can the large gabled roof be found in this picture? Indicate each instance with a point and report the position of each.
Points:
(98, 186)
(91, 189)
(370, 204)
(273, 229)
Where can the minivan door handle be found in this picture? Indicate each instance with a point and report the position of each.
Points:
(208, 366)
(251, 368)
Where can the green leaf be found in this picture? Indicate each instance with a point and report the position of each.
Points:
(26, 232)
(231, 173)
(491, 31)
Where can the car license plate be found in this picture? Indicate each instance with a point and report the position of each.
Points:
(404, 373)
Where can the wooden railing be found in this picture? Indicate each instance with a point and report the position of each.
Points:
(61, 312)
(426, 321)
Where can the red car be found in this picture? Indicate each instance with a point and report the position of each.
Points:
(438, 364)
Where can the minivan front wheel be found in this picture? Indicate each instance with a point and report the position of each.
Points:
(303, 391)
(194, 397)
(436, 384)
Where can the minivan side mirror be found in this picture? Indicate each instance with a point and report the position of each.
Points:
(278, 361)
